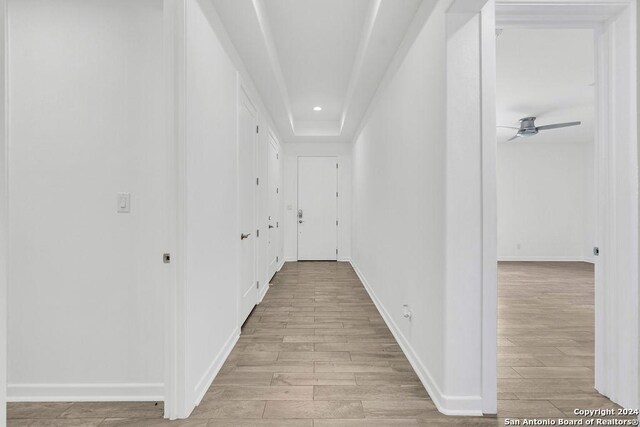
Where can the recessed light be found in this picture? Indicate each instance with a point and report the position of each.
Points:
(317, 108)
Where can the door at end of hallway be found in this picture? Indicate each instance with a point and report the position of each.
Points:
(317, 216)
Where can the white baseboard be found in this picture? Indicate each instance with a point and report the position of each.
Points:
(525, 258)
(263, 292)
(448, 405)
(96, 392)
(296, 260)
(207, 379)
(281, 264)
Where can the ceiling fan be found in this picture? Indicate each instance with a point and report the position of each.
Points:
(529, 128)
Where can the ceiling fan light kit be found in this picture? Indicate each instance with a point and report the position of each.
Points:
(528, 127)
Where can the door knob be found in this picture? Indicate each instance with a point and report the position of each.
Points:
(244, 236)
(300, 221)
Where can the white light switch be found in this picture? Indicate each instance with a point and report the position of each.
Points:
(124, 202)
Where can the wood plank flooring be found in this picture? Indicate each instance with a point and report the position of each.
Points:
(546, 339)
(316, 352)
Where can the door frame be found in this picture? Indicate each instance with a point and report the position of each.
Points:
(273, 141)
(618, 181)
(243, 96)
(4, 208)
(298, 203)
(175, 388)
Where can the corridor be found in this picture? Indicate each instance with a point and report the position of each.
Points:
(315, 352)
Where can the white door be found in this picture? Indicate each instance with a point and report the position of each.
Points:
(273, 186)
(317, 208)
(247, 130)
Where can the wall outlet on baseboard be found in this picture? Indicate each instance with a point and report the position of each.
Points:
(406, 312)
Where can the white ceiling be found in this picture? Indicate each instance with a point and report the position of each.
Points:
(549, 74)
(306, 53)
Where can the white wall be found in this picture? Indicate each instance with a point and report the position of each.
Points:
(211, 241)
(546, 183)
(545, 200)
(85, 289)
(211, 269)
(417, 199)
(291, 153)
(398, 201)
(464, 213)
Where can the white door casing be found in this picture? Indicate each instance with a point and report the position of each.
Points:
(273, 203)
(4, 210)
(317, 208)
(247, 138)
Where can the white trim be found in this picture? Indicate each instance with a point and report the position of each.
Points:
(92, 392)
(525, 258)
(556, 14)
(4, 209)
(175, 396)
(282, 261)
(263, 292)
(448, 405)
(489, 209)
(214, 368)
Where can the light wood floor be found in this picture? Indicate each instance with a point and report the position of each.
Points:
(546, 339)
(317, 353)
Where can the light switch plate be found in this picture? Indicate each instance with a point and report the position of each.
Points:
(124, 202)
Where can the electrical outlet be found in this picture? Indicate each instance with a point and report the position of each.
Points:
(406, 312)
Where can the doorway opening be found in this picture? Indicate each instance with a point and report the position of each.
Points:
(546, 199)
(545, 219)
(615, 209)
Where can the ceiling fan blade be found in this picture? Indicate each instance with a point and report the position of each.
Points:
(508, 127)
(558, 125)
(516, 136)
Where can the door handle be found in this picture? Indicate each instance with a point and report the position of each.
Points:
(300, 221)
(244, 236)
(270, 226)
